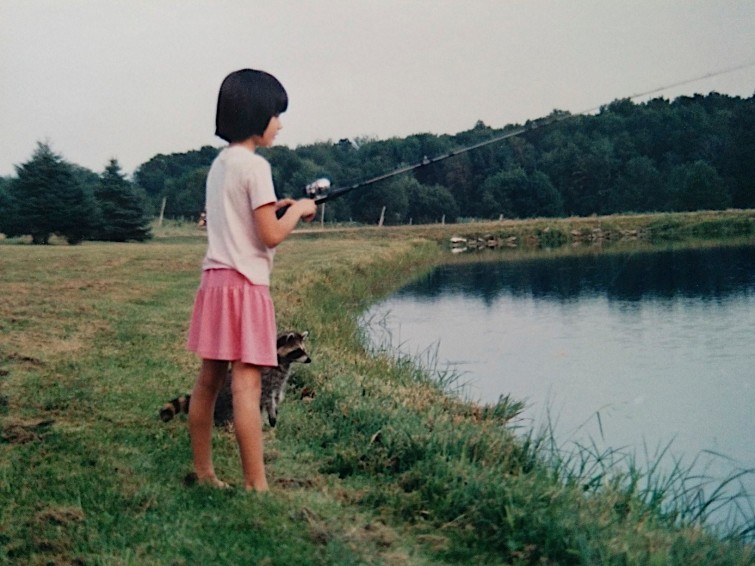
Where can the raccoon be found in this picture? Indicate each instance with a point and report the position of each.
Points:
(274, 380)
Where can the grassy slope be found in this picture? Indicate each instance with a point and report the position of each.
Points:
(379, 467)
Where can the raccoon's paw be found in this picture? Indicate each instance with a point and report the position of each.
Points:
(167, 413)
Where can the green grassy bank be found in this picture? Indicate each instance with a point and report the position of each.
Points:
(371, 463)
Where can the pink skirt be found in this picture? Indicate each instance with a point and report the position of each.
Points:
(233, 319)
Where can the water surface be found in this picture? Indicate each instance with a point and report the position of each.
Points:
(635, 350)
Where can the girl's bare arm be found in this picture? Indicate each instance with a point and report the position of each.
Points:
(273, 230)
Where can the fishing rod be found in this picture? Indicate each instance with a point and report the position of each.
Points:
(320, 189)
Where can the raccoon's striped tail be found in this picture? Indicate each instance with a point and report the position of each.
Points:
(175, 407)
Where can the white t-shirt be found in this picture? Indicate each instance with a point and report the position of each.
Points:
(239, 181)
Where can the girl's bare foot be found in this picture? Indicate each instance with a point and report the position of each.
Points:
(212, 481)
(258, 489)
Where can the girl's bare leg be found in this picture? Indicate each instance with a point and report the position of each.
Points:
(247, 422)
(209, 382)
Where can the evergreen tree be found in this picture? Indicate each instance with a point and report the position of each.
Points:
(122, 206)
(4, 205)
(45, 199)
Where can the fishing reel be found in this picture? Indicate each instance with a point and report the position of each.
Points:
(318, 189)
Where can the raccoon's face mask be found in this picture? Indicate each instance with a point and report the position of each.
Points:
(291, 347)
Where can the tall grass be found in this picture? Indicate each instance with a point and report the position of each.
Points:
(487, 492)
(371, 463)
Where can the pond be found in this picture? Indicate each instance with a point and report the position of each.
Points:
(651, 352)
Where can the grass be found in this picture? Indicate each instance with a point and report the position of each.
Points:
(573, 231)
(379, 467)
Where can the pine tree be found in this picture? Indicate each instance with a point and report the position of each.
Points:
(45, 199)
(122, 206)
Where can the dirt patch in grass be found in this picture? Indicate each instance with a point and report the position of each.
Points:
(22, 431)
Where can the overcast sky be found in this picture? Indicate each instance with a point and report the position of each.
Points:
(128, 79)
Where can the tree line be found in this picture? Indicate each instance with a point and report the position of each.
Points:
(690, 153)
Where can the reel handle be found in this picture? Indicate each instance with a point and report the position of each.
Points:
(315, 190)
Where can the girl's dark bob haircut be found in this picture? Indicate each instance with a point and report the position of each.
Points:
(248, 99)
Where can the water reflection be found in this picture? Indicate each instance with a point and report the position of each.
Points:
(627, 276)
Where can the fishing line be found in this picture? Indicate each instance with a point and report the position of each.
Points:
(632, 253)
(320, 190)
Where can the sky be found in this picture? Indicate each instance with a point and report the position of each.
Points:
(130, 79)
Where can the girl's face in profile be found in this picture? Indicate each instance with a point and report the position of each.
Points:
(268, 136)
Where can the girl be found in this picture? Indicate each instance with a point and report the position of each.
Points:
(233, 318)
